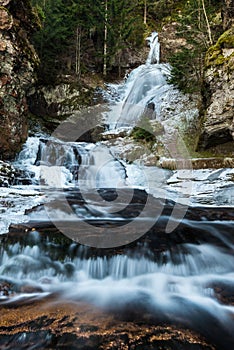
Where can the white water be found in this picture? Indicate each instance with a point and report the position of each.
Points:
(145, 84)
(177, 282)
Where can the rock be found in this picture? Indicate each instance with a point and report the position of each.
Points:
(228, 13)
(63, 325)
(218, 123)
(128, 58)
(197, 163)
(5, 288)
(53, 104)
(6, 20)
(28, 288)
(18, 60)
(7, 174)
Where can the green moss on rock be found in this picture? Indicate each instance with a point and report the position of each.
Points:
(215, 55)
(226, 40)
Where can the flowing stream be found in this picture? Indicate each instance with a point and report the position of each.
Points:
(180, 280)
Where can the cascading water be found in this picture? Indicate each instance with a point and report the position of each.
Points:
(176, 280)
(146, 85)
(154, 54)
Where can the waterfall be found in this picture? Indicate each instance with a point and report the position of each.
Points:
(145, 88)
(154, 54)
(176, 275)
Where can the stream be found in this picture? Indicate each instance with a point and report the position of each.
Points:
(85, 225)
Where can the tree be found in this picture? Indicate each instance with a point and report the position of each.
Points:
(121, 23)
(77, 34)
(197, 27)
(105, 38)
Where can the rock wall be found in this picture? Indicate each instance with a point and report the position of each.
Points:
(228, 14)
(18, 60)
(218, 94)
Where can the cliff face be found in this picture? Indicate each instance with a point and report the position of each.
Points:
(18, 60)
(228, 14)
(218, 124)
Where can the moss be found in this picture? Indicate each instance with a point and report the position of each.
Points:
(226, 39)
(219, 151)
(5, 9)
(143, 132)
(214, 56)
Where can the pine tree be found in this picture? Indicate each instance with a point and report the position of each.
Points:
(197, 27)
(70, 27)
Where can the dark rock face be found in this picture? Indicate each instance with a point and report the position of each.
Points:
(18, 60)
(228, 14)
(218, 124)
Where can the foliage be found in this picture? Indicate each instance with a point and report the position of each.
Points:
(215, 57)
(72, 35)
(143, 131)
(197, 26)
(162, 11)
(187, 69)
(74, 30)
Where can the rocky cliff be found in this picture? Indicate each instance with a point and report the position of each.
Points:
(18, 60)
(218, 110)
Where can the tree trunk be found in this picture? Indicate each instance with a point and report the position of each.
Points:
(105, 41)
(78, 51)
(207, 23)
(145, 11)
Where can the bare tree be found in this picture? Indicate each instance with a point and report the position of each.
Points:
(207, 23)
(145, 11)
(105, 40)
(78, 51)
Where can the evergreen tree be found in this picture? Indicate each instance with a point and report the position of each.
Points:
(197, 26)
(52, 39)
(121, 25)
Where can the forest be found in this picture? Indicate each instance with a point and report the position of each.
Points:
(77, 37)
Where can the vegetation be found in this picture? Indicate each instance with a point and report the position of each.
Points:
(79, 36)
(215, 55)
(143, 131)
(200, 25)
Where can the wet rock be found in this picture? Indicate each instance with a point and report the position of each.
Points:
(49, 324)
(5, 288)
(185, 232)
(28, 288)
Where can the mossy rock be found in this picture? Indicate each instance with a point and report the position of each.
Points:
(215, 56)
(226, 40)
